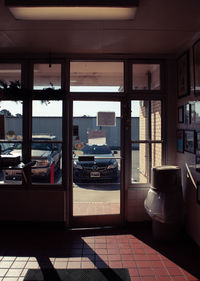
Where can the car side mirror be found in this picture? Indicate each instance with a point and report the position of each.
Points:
(115, 152)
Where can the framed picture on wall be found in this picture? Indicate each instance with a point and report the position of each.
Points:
(189, 141)
(192, 115)
(181, 114)
(196, 63)
(187, 113)
(197, 112)
(180, 140)
(198, 192)
(198, 141)
(183, 75)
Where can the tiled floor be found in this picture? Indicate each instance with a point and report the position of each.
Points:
(95, 208)
(133, 248)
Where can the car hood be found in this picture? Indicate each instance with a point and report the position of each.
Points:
(98, 158)
(35, 153)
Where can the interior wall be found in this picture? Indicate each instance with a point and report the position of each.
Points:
(32, 205)
(192, 208)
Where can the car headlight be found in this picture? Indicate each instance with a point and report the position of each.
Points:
(77, 166)
(112, 166)
(42, 163)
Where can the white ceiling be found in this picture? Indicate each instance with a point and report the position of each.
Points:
(161, 27)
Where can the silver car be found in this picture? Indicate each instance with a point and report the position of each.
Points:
(47, 157)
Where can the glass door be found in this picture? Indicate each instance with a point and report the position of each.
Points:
(96, 161)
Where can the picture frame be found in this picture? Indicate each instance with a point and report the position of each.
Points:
(197, 112)
(196, 67)
(183, 76)
(180, 140)
(197, 164)
(192, 112)
(189, 141)
(198, 192)
(187, 114)
(198, 141)
(181, 114)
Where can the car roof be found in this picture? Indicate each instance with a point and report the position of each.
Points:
(43, 137)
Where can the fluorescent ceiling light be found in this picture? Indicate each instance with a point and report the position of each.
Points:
(73, 9)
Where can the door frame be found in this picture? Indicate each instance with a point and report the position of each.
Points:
(96, 220)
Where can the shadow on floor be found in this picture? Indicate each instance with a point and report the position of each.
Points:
(52, 241)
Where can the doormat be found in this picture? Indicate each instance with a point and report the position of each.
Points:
(99, 274)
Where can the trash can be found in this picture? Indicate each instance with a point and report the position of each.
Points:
(164, 202)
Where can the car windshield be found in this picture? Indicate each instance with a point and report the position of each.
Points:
(96, 149)
(37, 146)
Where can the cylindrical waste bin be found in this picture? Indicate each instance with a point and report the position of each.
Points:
(164, 202)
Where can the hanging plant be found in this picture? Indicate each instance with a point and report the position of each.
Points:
(12, 90)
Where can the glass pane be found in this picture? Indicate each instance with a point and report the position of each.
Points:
(48, 162)
(96, 77)
(156, 133)
(46, 134)
(143, 159)
(146, 76)
(140, 120)
(47, 119)
(12, 174)
(10, 132)
(146, 120)
(145, 126)
(156, 152)
(9, 73)
(140, 163)
(47, 76)
(96, 158)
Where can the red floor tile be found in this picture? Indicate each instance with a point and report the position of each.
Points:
(129, 264)
(144, 264)
(148, 278)
(113, 251)
(133, 272)
(160, 271)
(163, 278)
(146, 272)
(114, 257)
(140, 257)
(173, 271)
(115, 264)
(178, 278)
(128, 257)
(155, 263)
(133, 278)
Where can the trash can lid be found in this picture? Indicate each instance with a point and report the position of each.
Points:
(166, 167)
(166, 177)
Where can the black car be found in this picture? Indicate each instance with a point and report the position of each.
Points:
(96, 163)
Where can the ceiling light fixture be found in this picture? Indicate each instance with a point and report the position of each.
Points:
(73, 9)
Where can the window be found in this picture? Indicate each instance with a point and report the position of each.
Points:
(11, 138)
(47, 76)
(96, 76)
(46, 149)
(146, 139)
(146, 77)
(9, 73)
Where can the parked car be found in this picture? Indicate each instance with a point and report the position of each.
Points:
(44, 154)
(96, 163)
(6, 148)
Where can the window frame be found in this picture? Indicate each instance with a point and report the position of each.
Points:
(149, 141)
